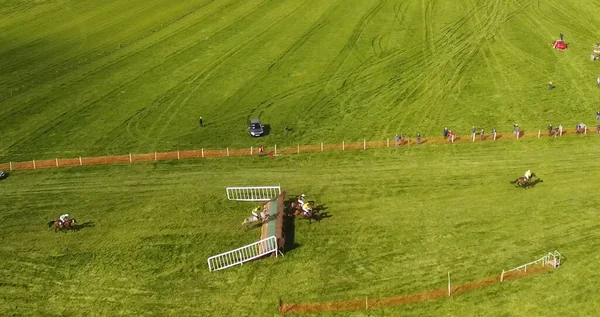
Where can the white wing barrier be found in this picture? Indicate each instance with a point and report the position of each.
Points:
(243, 254)
(256, 193)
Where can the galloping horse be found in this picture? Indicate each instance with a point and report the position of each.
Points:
(299, 211)
(521, 182)
(68, 225)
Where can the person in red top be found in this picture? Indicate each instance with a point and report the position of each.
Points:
(261, 151)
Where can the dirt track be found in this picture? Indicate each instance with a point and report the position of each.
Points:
(364, 304)
(204, 153)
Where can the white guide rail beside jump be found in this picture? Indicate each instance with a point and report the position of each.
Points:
(243, 254)
(552, 258)
(258, 193)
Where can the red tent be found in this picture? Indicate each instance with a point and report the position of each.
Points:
(559, 45)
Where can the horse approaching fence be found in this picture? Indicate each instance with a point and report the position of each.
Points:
(58, 225)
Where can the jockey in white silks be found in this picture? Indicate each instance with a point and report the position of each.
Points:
(63, 218)
(301, 200)
(527, 175)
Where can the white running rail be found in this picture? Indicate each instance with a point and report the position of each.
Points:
(243, 254)
(256, 193)
(552, 258)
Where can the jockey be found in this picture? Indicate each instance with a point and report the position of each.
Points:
(256, 212)
(528, 175)
(307, 208)
(63, 218)
(301, 200)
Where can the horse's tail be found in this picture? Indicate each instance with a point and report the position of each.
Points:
(515, 181)
(50, 223)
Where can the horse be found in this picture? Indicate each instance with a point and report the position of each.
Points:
(521, 182)
(262, 216)
(299, 211)
(68, 225)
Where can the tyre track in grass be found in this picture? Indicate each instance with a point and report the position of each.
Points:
(260, 76)
(108, 53)
(135, 118)
(97, 70)
(199, 78)
(132, 126)
(329, 89)
(418, 60)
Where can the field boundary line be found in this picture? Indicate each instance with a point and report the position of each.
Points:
(274, 151)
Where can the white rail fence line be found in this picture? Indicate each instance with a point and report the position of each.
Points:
(244, 254)
(256, 193)
(552, 258)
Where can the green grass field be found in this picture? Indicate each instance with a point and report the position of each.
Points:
(95, 77)
(400, 220)
(84, 78)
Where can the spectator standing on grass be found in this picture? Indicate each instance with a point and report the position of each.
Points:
(418, 138)
(397, 138)
(494, 133)
(598, 128)
(550, 85)
(598, 80)
(200, 121)
(451, 136)
(473, 131)
(549, 130)
(516, 130)
(481, 134)
(445, 133)
(560, 129)
(597, 115)
(261, 151)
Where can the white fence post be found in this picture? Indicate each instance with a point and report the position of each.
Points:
(227, 151)
(154, 156)
(321, 146)
(298, 148)
(177, 154)
(80, 161)
(56, 162)
(473, 137)
(539, 133)
(275, 149)
(343, 146)
(388, 142)
(130, 158)
(449, 287)
(10, 166)
(364, 144)
(502, 276)
(202, 152)
(33, 163)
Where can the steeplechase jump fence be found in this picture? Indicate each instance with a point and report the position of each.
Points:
(244, 254)
(271, 238)
(255, 193)
(275, 151)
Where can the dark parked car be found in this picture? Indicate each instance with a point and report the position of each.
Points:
(255, 128)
